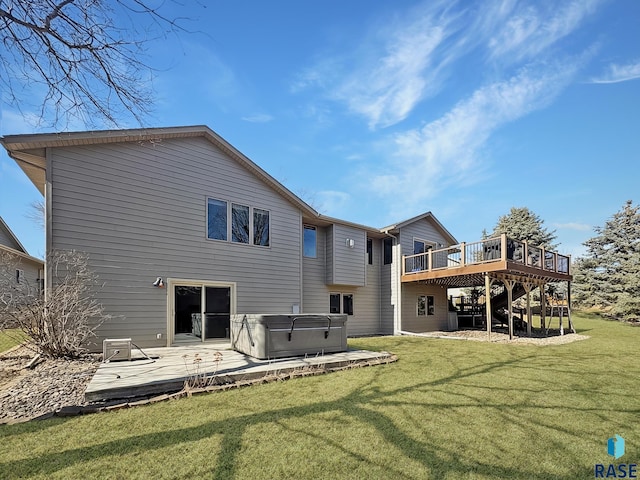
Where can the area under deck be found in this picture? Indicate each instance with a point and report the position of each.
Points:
(498, 259)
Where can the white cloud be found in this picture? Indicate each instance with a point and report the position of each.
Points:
(332, 202)
(447, 150)
(258, 118)
(619, 73)
(384, 78)
(410, 58)
(532, 29)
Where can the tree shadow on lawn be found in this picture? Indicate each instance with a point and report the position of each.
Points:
(363, 404)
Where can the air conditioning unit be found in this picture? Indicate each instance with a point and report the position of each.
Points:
(116, 349)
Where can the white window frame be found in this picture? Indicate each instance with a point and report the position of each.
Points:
(427, 312)
(229, 238)
(315, 252)
(341, 296)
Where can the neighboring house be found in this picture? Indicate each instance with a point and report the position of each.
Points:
(178, 225)
(28, 269)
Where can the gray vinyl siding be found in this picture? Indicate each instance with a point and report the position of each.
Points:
(422, 229)
(329, 254)
(411, 322)
(139, 210)
(366, 299)
(32, 271)
(314, 287)
(366, 319)
(7, 240)
(346, 265)
(389, 282)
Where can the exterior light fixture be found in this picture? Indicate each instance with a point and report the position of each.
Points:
(351, 242)
(158, 283)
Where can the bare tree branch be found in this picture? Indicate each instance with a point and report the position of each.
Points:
(87, 57)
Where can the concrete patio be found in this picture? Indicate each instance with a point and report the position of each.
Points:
(167, 369)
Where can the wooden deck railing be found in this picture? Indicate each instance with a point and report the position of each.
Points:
(493, 249)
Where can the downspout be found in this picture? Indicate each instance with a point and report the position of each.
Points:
(48, 223)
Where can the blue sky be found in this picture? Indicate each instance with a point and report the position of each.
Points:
(378, 111)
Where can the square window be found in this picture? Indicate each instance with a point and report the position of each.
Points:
(309, 241)
(239, 223)
(260, 227)
(216, 219)
(426, 305)
(347, 304)
(334, 303)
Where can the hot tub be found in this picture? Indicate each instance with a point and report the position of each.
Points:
(275, 336)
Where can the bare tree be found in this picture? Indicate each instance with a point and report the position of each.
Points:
(61, 324)
(37, 213)
(87, 56)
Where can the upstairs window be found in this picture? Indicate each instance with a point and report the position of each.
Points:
(388, 250)
(260, 227)
(244, 224)
(216, 219)
(239, 223)
(309, 241)
(369, 251)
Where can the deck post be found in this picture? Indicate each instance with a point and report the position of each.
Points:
(503, 247)
(510, 284)
(487, 302)
(527, 288)
(573, 330)
(463, 253)
(543, 307)
(430, 259)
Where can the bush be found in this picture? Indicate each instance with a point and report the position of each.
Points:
(60, 323)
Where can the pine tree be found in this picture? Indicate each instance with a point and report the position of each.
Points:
(608, 276)
(523, 224)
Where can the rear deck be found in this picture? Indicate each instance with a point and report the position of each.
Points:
(466, 264)
(503, 259)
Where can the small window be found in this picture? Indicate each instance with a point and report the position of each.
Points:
(336, 300)
(426, 305)
(388, 251)
(347, 304)
(239, 223)
(19, 276)
(369, 251)
(216, 219)
(310, 242)
(334, 303)
(260, 227)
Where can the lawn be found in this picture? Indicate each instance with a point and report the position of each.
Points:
(10, 338)
(448, 409)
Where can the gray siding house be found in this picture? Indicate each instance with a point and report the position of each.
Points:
(185, 231)
(28, 269)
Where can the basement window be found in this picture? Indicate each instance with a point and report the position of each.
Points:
(426, 305)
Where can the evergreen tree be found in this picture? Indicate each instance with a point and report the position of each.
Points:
(523, 224)
(608, 276)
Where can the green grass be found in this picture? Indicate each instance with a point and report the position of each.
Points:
(10, 338)
(448, 409)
